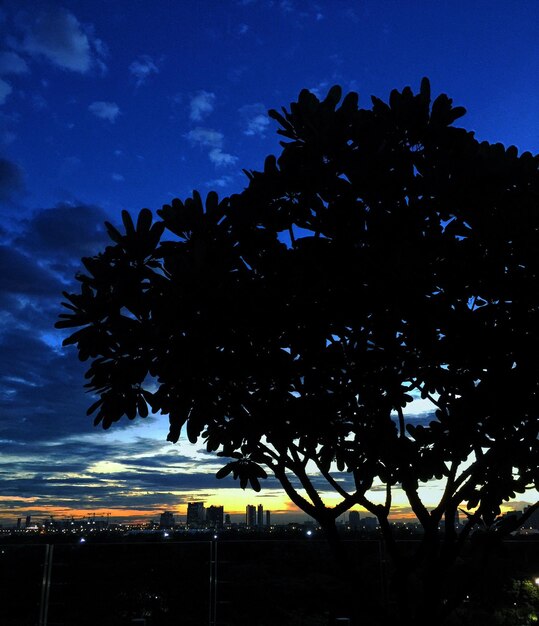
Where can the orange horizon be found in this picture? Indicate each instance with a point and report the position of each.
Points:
(143, 515)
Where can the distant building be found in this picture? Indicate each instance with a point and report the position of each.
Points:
(28, 521)
(166, 520)
(260, 516)
(369, 523)
(533, 520)
(196, 514)
(214, 516)
(354, 520)
(268, 518)
(250, 516)
(227, 519)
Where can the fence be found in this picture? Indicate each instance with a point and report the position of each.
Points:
(198, 583)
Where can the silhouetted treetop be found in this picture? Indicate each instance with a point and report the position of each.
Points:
(385, 255)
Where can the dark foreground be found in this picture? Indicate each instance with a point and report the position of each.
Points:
(237, 583)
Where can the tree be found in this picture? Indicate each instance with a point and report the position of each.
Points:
(385, 255)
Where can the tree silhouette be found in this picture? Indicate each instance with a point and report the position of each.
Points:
(385, 255)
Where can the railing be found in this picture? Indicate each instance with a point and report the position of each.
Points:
(196, 583)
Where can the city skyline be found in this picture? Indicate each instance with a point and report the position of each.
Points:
(96, 119)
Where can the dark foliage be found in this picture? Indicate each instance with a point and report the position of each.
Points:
(385, 254)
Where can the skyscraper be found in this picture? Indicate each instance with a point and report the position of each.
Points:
(250, 516)
(354, 519)
(196, 514)
(260, 516)
(268, 518)
(166, 520)
(214, 516)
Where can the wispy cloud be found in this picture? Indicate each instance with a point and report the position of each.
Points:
(213, 140)
(105, 110)
(58, 36)
(201, 105)
(206, 137)
(143, 67)
(12, 63)
(255, 119)
(222, 181)
(321, 89)
(220, 158)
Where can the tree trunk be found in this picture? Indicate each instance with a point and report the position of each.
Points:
(345, 572)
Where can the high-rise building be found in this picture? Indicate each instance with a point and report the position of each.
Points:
(214, 516)
(250, 516)
(166, 520)
(28, 521)
(533, 520)
(354, 519)
(268, 518)
(260, 516)
(196, 514)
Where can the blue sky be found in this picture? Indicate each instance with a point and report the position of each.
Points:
(118, 105)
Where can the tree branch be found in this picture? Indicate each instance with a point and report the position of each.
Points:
(387, 505)
(437, 512)
(402, 427)
(418, 507)
(296, 498)
(297, 466)
(342, 492)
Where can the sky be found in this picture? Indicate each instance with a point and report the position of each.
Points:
(127, 104)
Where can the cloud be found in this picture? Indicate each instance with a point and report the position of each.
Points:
(206, 137)
(41, 385)
(11, 180)
(222, 181)
(40, 388)
(25, 276)
(320, 89)
(212, 139)
(220, 158)
(255, 119)
(105, 110)
(201, 105)
(61, 235)
(142, 68)
(5, 90)
(118, 178)
(12, 63)
(58, 36)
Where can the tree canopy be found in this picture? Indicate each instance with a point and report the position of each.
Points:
(385, 255)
